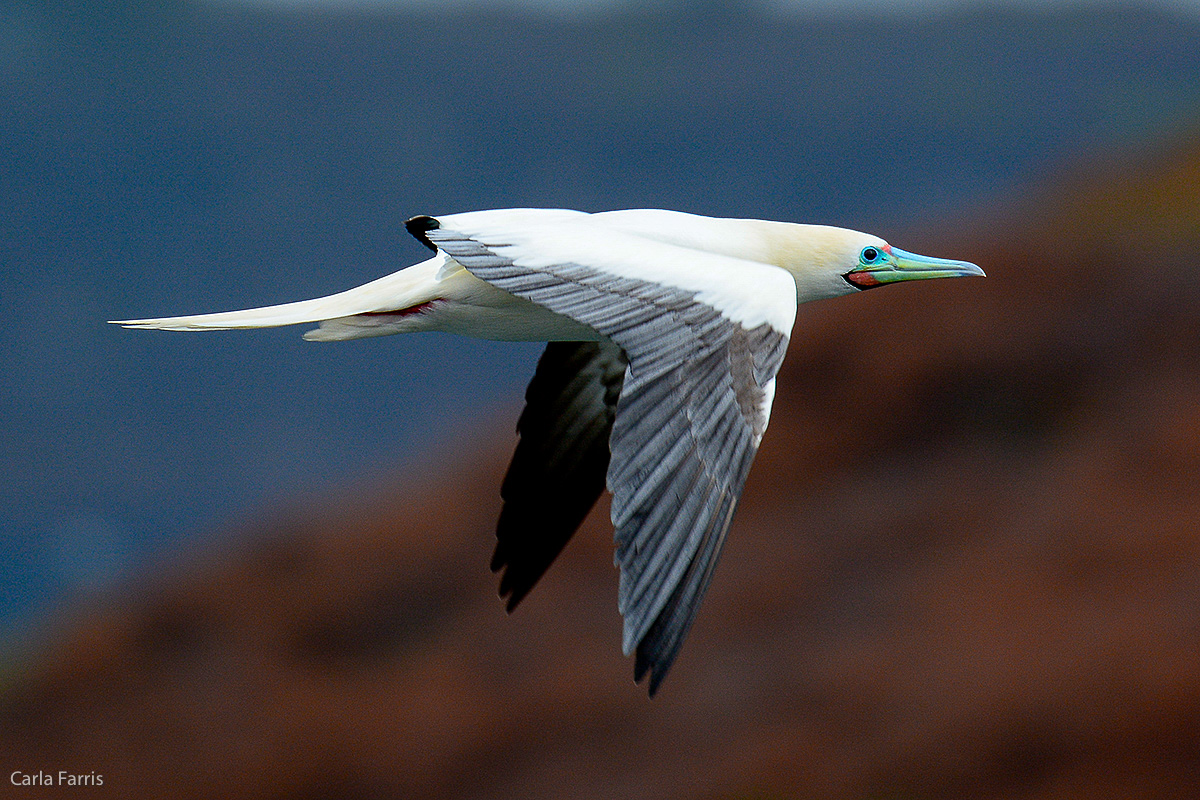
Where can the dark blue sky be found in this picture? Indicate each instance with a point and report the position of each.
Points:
(170, 158)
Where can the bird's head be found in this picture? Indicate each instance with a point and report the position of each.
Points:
(881, 264)
(829, 262)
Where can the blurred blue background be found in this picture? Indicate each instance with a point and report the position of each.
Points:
(180, 157)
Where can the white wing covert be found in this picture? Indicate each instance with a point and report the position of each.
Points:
(704, 335)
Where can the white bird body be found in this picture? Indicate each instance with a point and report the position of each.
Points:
(721, 258)
(666, 332)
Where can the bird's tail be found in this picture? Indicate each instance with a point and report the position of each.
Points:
(367, 310)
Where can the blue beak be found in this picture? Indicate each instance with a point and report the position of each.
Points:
(901, 265)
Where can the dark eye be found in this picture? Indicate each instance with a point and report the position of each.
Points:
(870, 255)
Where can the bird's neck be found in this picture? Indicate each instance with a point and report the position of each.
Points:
(813, 254)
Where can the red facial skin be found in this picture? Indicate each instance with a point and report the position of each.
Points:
(865, 280)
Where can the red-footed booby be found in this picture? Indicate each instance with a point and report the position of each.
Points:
(665, 331)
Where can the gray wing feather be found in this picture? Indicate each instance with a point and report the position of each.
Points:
(688, 422)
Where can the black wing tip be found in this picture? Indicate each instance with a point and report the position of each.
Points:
(511, 597)
(642, 665)
(510, 591)
(510, 601)
(419, 226)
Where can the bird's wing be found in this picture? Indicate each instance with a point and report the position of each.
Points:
(558, 469)
(704, 335)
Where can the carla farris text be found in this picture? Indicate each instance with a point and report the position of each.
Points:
(60, 778)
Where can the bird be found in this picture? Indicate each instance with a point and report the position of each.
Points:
(664, 331)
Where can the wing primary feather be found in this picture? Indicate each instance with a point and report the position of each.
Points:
(420, 226)
(641, 566)
(558, 469)
(638, 495)
(656, 584)
(658, 648)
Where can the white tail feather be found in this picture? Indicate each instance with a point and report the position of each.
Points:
(400, 290)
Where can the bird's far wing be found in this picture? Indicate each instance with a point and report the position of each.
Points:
(704, 335)
(558, 469)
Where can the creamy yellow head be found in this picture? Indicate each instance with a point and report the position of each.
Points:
(830, 262)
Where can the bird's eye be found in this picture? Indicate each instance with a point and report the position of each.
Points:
(870, 255)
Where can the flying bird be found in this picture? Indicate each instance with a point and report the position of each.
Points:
(665, 331)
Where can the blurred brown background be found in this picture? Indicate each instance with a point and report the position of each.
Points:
(967, 565)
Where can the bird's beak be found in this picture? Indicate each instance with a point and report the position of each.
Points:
(901, 265)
